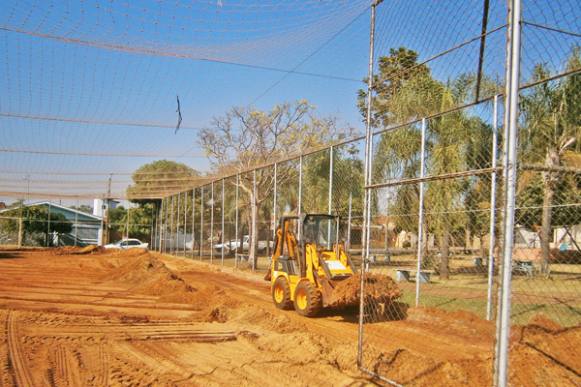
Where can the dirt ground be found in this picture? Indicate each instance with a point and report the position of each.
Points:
(91, 318)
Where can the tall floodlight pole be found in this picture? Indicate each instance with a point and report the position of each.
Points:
(511, 110)
(367, 168)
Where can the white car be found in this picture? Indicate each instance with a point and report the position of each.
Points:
(127, 244)
(232, 245)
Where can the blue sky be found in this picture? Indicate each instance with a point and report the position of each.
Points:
(124, 61)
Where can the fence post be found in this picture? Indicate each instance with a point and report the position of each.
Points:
(178, 218)
(171, 227)
(153, 228)
(349, 222)
(368, 155)
(274, 214)
(48, 227)
(212, 224)
(254, 220)
(239, 241)
(491, 241)
(222, 238)
(300, 203)
(201, 221)
(511, 110)
(160, 225)
(21, 226)
(185, 219)
(77, 222)
(193, 220)
(421, 211)
(330, 197)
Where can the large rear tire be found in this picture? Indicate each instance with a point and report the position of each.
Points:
(281, 294)
(308, 299)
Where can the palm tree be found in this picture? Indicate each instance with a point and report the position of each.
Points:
(551, 129)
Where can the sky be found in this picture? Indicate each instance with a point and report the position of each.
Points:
(98, 79)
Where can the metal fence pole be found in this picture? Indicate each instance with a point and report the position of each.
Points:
(48, 226)
(153, 228)
(193, 220)
(77, 222)
(171, 226)
(161, 226)
(275, 194)
(511, 110)
(368, 141)
(212, 224)
(178, 221)
(185, 219)
(330, 196)
(254, 220)
(238, 241)
(157, 225)
(300, 202)
(349, 222)
(421, 211)
(222, 239)
(491, 241)
(201, 221)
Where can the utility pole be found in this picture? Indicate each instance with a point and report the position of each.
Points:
(105, 214)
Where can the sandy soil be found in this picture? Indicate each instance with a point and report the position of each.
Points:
(91, 318)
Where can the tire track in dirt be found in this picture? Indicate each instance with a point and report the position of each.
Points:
(19, 367)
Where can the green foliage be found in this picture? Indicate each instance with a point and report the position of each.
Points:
(158, 178)
(37, 224)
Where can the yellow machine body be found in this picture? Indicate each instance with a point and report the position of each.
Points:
(304, 271)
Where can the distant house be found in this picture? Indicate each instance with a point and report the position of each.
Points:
(86, 228)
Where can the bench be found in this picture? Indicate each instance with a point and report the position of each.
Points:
(523, 267)
(402, 275)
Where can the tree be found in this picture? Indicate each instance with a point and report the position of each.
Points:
(245, 138)
(552, 128)
(160, 178)
(406, 91)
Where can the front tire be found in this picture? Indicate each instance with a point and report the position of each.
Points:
(281, 294)
(308, 300)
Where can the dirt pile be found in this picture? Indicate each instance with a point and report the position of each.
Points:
(379, 288)
(149, 276)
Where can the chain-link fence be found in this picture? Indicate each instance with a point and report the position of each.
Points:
(441, 190)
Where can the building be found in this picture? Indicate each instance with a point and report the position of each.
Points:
(86, 228)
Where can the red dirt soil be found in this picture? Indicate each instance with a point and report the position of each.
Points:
(97, 318)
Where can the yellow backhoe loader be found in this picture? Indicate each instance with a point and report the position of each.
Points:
(309, 264)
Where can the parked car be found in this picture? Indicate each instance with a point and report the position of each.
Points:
(127, 244)
(232, 245)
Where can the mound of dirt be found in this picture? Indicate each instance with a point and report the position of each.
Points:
(90, 249)
(150, 276)
(380, 288)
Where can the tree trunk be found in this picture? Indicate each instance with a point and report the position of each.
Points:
(445, 252)
(549, 180)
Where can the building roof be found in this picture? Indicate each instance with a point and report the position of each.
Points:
(62, 208)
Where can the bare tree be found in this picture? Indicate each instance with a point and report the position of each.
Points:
(245, 138)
